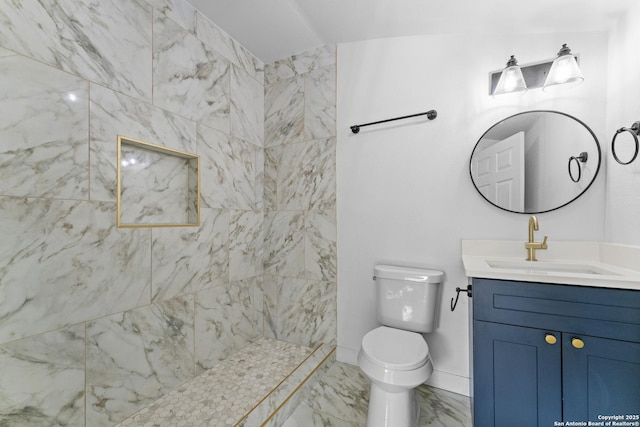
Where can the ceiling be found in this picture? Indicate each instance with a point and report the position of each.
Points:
(275, 29)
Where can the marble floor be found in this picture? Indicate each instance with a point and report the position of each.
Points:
(340, 400)
(225, 395)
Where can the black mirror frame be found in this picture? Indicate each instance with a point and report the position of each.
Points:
(595, 175)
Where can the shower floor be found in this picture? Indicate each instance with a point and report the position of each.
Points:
(227, 393)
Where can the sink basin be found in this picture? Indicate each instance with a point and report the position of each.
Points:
(550, 267)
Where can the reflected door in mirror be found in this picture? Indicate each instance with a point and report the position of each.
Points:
(498, 172)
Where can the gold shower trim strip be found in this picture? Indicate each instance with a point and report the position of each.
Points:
(284, 402)
(159, 149)
(294, 391)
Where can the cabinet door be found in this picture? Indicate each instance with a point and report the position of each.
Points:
(517, 377)
(601, 378)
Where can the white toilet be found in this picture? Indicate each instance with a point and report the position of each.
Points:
(395, 356)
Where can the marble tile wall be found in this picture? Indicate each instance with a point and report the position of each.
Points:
(137, 356)
(300, 198)
(98, 321)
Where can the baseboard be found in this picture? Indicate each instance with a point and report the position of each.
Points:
(450, 382)
(347, 355)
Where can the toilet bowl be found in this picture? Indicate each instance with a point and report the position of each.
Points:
(396, 361)
(395, 356)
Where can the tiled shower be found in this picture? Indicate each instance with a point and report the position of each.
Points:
(98, 321)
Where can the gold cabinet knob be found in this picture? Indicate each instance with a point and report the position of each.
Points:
(550, 339)
(577, 342)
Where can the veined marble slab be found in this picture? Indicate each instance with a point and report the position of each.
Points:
(443, 408)
(259, 180)
(215, 37)
(249, 62)
(284, 111)
(221, 42)
(247, 107)
(320, 103)
(301, 311)
(284, 243)
(227, 319)
(180, 11)
(135, 357)
(246, 244)
(190, 79)
(271, 158)
(300, 64)
(114, 114)
(108, 42)
(187, 260)
(43, 128)
(320, 249)
(42, 379)
(65, 262)
(343, 392)
(228, 170)
(305, 174)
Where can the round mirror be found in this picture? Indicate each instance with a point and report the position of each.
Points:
(535, 161)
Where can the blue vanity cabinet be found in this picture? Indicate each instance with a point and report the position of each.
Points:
(544, 354)
(517, 376)
(601, 378)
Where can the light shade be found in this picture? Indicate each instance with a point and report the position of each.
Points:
(564, 71)
(511, 79)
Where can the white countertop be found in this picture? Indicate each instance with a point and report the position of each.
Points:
(618, 265)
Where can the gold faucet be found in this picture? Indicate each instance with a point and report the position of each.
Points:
(531, 245)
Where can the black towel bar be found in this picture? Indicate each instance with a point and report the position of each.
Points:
(431, 114)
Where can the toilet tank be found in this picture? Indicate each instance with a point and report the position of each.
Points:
(407, 298)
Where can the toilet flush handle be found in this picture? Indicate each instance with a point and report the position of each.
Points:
(458, 290)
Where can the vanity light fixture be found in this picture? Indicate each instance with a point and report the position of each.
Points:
(549, 75)
(564, 71)
(511, 79)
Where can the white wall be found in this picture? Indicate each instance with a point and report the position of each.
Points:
(404, 192)
(623, 108)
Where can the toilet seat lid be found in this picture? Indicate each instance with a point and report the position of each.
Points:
(395, 348)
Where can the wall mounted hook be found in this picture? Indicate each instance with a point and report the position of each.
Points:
(458, 290)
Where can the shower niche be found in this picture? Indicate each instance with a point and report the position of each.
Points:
(156, 186)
